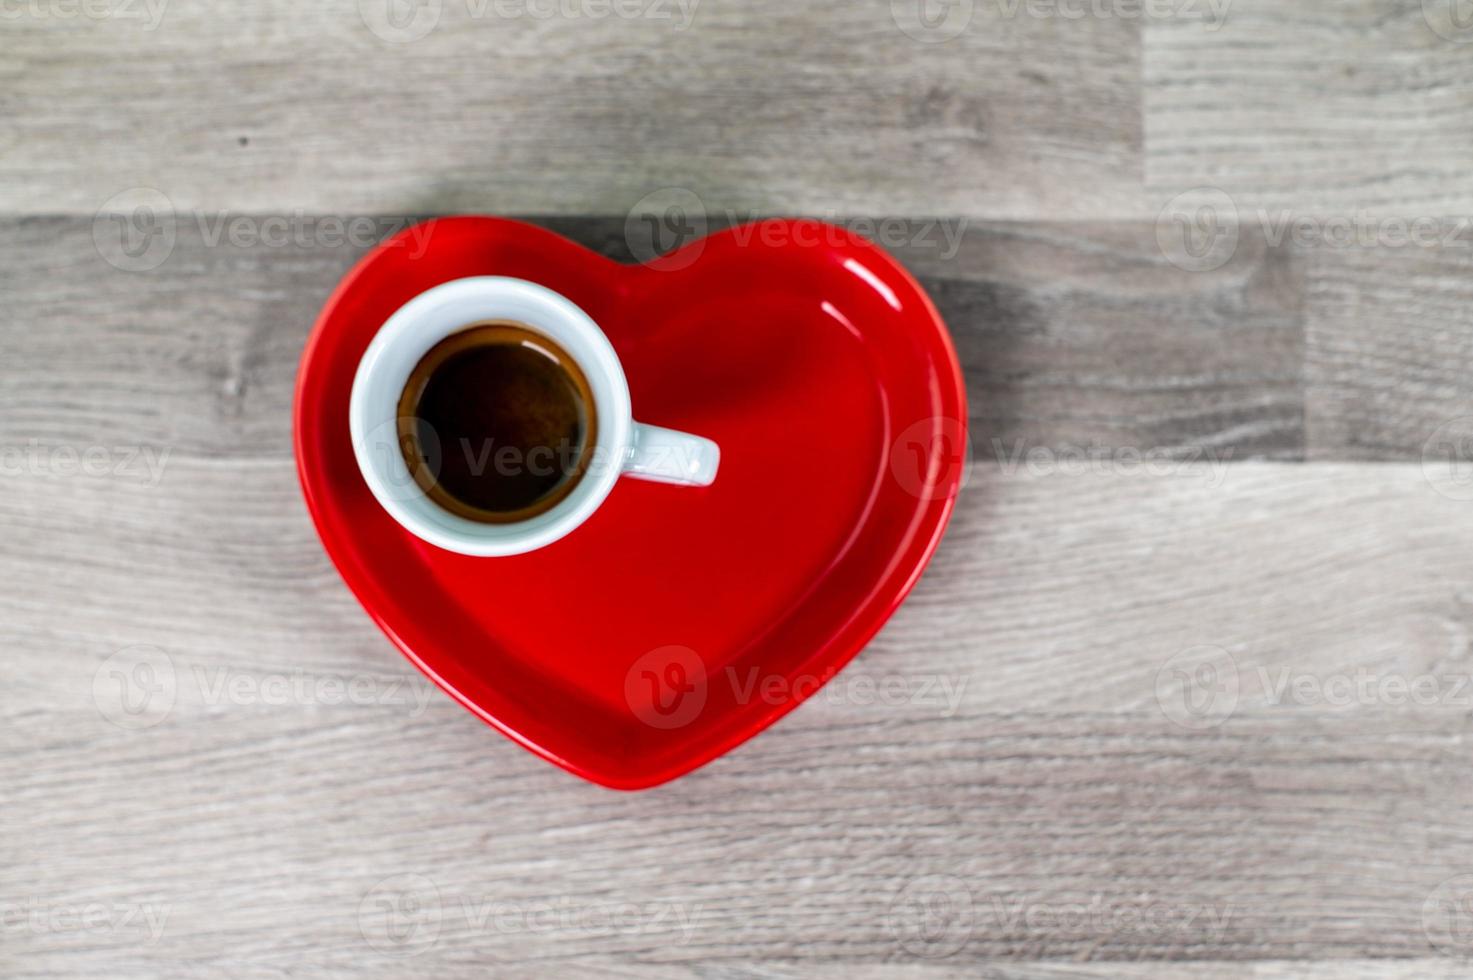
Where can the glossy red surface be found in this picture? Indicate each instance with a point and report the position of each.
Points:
(627, 652)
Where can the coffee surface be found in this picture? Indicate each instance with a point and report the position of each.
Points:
(495, 422)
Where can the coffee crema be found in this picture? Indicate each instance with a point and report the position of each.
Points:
(496, 423)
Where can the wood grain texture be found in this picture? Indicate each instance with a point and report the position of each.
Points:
(1320, 108)
(1058, 792)
(1329, 108)
(1389, 345)
(1070, 338)
(1185, 693)
(797, 106)
(1022, 754)
(1088, 335)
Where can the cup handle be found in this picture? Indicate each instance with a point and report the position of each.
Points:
(666, 456)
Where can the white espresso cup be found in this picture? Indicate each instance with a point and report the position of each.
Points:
(621, 445)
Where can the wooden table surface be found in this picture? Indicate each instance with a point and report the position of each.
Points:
(1185, 693)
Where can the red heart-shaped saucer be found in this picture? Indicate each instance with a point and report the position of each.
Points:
(677, 622)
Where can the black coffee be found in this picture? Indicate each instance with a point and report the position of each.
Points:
(495, 423)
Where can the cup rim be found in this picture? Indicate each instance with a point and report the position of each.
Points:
(409, 333)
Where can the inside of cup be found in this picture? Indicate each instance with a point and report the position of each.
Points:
(421, 324)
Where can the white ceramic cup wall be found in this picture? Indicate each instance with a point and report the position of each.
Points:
(622, 446)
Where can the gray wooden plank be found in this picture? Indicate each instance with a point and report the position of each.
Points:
(1099, 335)
(1292, 970)
(1324, 108)
(1071, 337)
(197, 354)
(1062, 779)
(794, 106)
(1146, 718)
(1407, 969)
(1389, 341)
